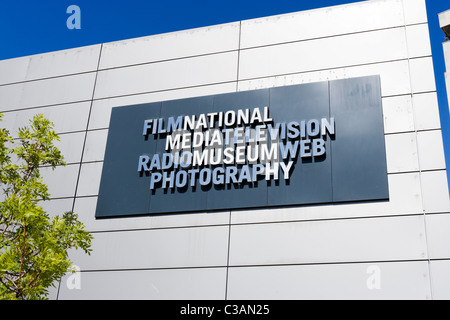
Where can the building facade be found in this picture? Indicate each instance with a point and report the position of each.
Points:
(393, 248)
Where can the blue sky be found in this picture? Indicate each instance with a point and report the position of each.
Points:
(31, 27)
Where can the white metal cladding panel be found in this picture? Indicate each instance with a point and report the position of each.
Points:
(348, 240)
(415, 11)
(39, 93)
(435, 191)
(394, 77)
(418, 40)
(422, 75)
(94, 149)
(172, 74)
(343, 19)
(398, 114)
(319, 54)
(52, 64)
(158, 248)
(440, 279)
(431, 150)
(89, 180)
(61, 181)
(71, 146)
(349, 18)
(101, 109)
(173, 45)
(404, 198)
(426, 111)
(53, 292)
(56, 207)
(397, 280)
(66, 118)
(85, 207)
(438, 236)
(173, 284)
(401, 152)
(405, 113)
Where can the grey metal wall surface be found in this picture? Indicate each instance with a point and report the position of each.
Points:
(300, 252)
